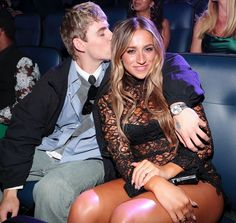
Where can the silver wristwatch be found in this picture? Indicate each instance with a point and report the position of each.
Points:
(177, 108)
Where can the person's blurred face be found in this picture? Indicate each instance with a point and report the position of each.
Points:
(98, 44)
(140, 54)
(142, 5)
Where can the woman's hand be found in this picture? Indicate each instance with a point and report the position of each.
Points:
(144, 171)
(173, 199)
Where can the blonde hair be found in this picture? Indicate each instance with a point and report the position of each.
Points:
(209, 19)
(122, 35)
(76, 21)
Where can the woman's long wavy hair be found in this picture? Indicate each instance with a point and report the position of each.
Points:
(156, 13)
(159, 110)
(209, 18)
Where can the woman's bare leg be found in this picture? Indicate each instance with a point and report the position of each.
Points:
(145, 208)
(110, 203)
(96, 205)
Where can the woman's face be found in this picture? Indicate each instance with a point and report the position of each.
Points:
(142, 5)
(140, 54)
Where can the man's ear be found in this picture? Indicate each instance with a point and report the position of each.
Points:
(79, 44)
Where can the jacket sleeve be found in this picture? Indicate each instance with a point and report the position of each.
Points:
(27, 74)
(180, 82)
(30, 122)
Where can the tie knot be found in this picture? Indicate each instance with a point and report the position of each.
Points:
(92, 80)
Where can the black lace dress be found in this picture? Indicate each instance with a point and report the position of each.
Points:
(147, 141)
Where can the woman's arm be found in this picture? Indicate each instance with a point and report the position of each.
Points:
(117, 146)
(196, 46)
(172, 198)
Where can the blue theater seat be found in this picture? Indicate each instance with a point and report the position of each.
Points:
(45, 57)
(51, 31)
(181, 18)
(218, 77)
(115, 14)
(28, 29)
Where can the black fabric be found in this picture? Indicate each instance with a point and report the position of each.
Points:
(138, 134)
(9, 58)
(32, 119)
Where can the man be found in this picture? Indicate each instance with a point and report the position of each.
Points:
(18, 73)
(57, 119)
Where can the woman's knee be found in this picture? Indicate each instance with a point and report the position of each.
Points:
(85, 208)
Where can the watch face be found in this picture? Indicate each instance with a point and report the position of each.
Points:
(176, 110)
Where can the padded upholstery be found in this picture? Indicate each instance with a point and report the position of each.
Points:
(51, 31)
(28, 29)
(45, 57)
(218, 77)
(115, 14)
(181, 18)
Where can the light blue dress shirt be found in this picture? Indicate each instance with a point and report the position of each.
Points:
(85, 145)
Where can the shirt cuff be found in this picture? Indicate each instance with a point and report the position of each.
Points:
(15, 188)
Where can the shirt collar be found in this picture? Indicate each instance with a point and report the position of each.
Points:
(86, 75)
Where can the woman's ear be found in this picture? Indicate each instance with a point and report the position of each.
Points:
(79, 44)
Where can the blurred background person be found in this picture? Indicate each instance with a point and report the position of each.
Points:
(152, 9)
(18, 74)
(215, 30)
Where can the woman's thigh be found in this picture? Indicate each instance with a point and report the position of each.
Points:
(145, 208)
(110, 203)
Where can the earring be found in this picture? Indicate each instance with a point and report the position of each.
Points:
(132, 6)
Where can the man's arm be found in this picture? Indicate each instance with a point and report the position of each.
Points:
(9, 204)
(182, 84)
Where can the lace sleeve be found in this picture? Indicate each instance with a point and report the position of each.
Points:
(26, 76)
(117, 146)
(191, 160)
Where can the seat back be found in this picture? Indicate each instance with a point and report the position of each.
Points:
(45, 57)
(28, 29)
(181, 18)
(51, 31)
(115, 14)
(218, 78)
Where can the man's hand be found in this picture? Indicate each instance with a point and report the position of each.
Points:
(187, 127)
(9, 204)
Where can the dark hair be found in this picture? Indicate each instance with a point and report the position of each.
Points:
(156, 13)
(7, 23)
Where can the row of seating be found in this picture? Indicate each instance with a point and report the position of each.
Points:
(31, 29)
(218, 78)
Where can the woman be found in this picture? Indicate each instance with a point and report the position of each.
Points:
(152, 9)
(140, 137)
(215, 30)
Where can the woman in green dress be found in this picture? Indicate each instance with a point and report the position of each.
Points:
(215, 30)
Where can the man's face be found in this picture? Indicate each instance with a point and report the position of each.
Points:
(98, 44)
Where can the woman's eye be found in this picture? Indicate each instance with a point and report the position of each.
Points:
(149, 49)
(130, 51)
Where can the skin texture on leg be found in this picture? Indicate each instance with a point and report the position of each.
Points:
(110, 203)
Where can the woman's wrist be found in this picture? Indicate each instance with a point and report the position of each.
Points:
(154, 183)
(170, 170)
